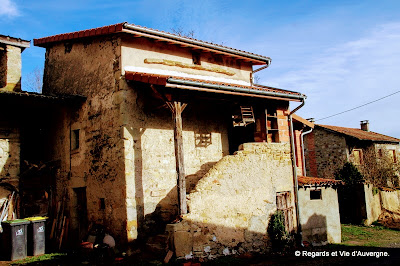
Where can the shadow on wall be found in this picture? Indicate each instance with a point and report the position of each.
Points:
(167, 209)
(208, 240)
(315, 230)
(153, 154)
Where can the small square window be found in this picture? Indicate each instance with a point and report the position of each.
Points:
(75, 139)
(315, 194)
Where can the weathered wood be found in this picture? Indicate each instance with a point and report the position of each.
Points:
(177, 109)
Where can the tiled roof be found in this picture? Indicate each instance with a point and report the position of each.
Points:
(79, 34)
(360, 134)
(149, 33)
(39, 96)
(305, 180)
(163, 80)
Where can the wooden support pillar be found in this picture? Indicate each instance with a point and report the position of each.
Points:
(177, 109)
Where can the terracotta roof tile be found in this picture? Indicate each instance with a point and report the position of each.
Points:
(122, 27)
(163, 79)
(360, 134)
(305, 180)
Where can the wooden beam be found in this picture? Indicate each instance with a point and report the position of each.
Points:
(177, 109)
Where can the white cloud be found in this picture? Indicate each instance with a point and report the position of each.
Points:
(350, 74)
(8, 8)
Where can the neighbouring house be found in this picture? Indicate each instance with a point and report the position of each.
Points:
(25, 125)
(170, 126)
(10, 80)
(10, 62)
(318, 196)
(327, 148)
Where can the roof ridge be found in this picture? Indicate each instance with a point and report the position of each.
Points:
(347, 131)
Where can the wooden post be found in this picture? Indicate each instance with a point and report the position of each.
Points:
(177, 109)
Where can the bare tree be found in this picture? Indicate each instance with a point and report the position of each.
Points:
(34, 80)
(380, 168)
(180, 32)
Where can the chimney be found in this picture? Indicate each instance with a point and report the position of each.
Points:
(365, 125)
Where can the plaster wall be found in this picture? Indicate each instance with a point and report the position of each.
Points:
(135, 51)
(372, 204)
(390, 200)
(229, 209)
(320, 219)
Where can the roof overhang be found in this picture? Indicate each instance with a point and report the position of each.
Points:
(305, 181)
(24, 97)
(303, 121)
(8, 40)
(239, 88)
(170, 38)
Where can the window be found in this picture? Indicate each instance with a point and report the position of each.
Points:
(315, 194)
(357, 154)
(75, 139)
(392, 155)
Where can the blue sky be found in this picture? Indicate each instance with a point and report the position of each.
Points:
(341, 54)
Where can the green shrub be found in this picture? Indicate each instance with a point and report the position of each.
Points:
(277, 231)
(349, 174)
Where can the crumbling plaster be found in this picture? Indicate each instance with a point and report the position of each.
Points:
(231, 205)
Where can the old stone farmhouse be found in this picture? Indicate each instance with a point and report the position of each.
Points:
(327, 148)
(163, 110)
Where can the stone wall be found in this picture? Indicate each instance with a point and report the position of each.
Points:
(150, 171)
(96, 168)
(231, 205)
(9, 155)
(319, 218)
(330, 152)
(10, 68)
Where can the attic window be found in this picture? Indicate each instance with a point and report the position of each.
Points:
(315, 194)
(196, 58)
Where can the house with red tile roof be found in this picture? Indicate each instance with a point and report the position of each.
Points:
(318, 204)
(327, 148)
(171, 127)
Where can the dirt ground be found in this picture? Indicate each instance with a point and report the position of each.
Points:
(374, 245)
